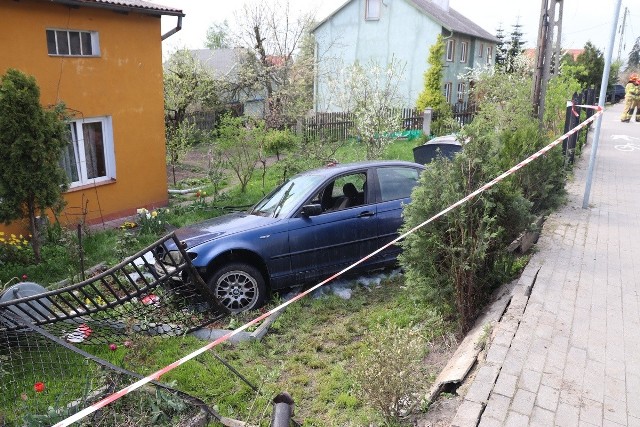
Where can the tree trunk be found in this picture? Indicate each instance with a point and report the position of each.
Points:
(35, 232)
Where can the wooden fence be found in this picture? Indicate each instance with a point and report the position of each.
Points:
(333, 125)
(340, 125)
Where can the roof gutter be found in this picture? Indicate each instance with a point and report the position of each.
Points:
(120, 8)
(174, 30)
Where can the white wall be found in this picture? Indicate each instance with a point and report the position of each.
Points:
(402, 32)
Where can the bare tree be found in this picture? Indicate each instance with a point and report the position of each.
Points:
(280, 58)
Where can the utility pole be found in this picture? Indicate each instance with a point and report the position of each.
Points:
(622, 29)
(550, 29)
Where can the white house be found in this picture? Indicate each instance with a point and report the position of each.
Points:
(364, 30)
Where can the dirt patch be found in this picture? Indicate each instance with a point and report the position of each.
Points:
(195, 165)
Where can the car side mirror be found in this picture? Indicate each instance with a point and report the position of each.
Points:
(313, 209)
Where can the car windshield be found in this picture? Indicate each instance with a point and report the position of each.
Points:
(281, 201)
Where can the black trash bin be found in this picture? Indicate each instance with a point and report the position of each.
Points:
(446, 146)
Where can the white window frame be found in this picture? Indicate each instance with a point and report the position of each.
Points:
(461, 90)
(451, 50)
(448, 88)
(464, 48)
(78, 147)
(489, 53)
(481, 50)
(63, 45)
(372, 10)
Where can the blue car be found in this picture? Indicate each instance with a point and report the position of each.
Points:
(311, 226)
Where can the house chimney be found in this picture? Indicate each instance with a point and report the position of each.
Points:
(442, 4)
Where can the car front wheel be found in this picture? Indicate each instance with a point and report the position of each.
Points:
(239, 287)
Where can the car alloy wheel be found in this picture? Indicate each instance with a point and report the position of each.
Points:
(238, 287)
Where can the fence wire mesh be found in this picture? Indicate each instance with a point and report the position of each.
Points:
(47, 371)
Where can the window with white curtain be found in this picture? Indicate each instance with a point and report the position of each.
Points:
(89, 155)
(448, 87)
(464, 46)
(461, 91)
(451, 48)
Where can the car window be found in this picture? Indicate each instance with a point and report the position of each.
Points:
(281, 201)
(396, 182)
(344, 192)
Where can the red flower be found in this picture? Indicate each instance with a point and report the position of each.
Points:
(127, 344)
(113, 347)
(24, 277)
(38, 387)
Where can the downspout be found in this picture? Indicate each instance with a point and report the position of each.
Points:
(174, 30)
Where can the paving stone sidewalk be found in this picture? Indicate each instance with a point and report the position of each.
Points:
(567, 351)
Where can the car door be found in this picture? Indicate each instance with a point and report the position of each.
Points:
(324, 244)
(393, 186)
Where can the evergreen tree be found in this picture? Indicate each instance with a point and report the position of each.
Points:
(501, 49)
(432, 94)
(515, 47)
(31, 142)
(591, 62)
(634, 56)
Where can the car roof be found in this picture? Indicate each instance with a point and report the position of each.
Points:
(339, 168)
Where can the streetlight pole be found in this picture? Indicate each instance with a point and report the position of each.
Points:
(603, 94)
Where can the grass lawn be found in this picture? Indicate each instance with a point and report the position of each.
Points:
(310, 352)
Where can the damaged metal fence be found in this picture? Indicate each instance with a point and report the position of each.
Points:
(45, 372)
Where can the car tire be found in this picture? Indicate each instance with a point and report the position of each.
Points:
(239, 287)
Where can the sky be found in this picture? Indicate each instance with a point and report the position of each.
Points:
(583, 20)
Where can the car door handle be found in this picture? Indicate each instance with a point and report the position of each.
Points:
(366, 214)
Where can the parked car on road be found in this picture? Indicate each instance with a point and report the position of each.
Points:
(311, 226)
(615, 94)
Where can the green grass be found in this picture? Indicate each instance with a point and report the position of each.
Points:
(309, 352)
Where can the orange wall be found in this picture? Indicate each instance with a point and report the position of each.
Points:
(124, 82)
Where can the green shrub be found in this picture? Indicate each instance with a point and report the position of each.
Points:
(386, 369)
(451, 258)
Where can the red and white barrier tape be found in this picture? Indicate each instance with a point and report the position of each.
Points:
(156, 375)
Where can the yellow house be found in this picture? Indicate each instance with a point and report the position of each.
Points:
(103, 60)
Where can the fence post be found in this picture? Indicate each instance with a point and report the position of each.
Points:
(426, 122)
(569, 144)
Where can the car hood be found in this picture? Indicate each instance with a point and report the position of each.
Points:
(215, 228)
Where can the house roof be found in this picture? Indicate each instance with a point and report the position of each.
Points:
(451, 20)
(222, 62)
(532, 52)
(139, 6)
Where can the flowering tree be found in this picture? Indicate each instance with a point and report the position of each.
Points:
(371, 93)
(280, 59)
(31, 141)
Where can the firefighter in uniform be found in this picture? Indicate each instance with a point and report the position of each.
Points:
(631, 99)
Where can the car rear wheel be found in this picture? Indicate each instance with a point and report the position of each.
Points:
(239, 287)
